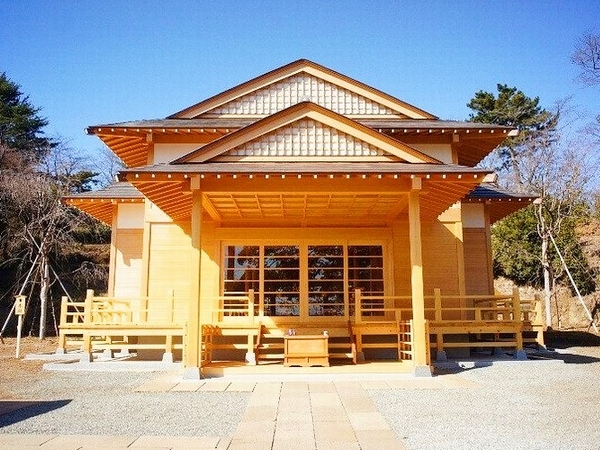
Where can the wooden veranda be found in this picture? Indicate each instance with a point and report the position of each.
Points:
(377, 327)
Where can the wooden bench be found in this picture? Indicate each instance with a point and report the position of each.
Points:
(124, 337)
(474, 331)
(101, 323)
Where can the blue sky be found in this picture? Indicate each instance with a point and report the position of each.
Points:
(93, 62)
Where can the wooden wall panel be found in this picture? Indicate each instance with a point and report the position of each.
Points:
(128, 263)
(401, 251)
(211, 272)
(169, 265)
(478, 261)
(440, 264)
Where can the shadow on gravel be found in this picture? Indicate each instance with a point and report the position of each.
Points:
(13, 411)
(567, 358)
(560, 346)
(565, 340)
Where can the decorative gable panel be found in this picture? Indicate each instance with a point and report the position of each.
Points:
(298, 88)
(305, 138)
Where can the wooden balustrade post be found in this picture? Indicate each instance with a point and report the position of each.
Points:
(171, 294)
(86, 355)
(250, 355)
(144, 309)
(87, 308)
(538, 323)
(520, 353)
(261, 306)
(360, 356)
(437, 293)
(64, 307)
(357, 306)
(251, 305)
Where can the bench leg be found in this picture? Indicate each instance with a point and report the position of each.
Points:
(441, 355)
(167, 357)
(86, 356)
(62, 344)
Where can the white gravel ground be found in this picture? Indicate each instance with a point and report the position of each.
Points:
(106, 404)
(526, 405)
(512, 405)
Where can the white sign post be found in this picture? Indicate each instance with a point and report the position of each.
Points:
(19, 312)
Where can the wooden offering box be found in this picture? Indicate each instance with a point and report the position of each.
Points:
(309, 350)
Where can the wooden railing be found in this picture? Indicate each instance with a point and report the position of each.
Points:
(105, 322)
(237, 305)
(115, 323)
(492, 316)
(438, 308)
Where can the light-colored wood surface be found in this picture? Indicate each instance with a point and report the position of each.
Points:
(306, 350)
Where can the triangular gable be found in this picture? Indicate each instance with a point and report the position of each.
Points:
(300, 81)
(306, 131)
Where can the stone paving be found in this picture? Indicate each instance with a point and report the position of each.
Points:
(314, 414)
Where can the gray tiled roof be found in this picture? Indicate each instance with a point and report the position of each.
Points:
(491, 192)
(119, 189)
(233, 123)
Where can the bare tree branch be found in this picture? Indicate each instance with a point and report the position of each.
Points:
(587, 57)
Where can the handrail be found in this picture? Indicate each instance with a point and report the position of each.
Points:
(501, 308)
(243, 307)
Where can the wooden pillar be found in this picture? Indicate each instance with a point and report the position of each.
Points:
(193, 351)
(420, 338)
(112, 267)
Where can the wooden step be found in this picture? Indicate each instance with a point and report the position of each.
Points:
(338, 355)
(271, 356)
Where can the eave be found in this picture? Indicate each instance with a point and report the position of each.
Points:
(379, 189)
(500, 202)
(132, 141)
(101, 203)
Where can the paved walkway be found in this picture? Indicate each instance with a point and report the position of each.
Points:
(309, 414)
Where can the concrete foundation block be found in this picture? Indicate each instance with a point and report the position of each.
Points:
(422, 371)
(192, 373)
(250, 359)
(86, 357)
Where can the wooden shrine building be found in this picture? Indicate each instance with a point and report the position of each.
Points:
(302, 200)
